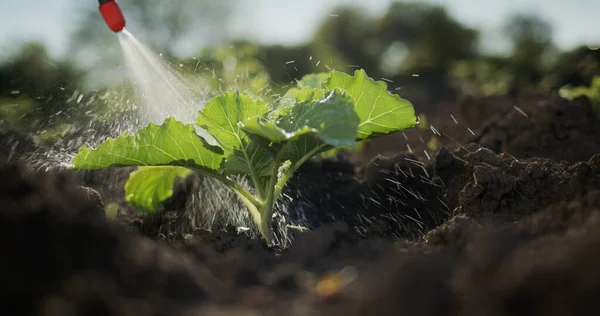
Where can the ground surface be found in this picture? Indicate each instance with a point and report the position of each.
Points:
(504, 220)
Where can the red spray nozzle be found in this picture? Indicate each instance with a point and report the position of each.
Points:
(112, 15)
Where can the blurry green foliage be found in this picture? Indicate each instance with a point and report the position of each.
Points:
(576, 67)
(481, 77)
(592, 92)
(533, 51)
(48, 137)
(531, 38)
(36, 89)
(15, 111)
(433, 38)
(347, 37)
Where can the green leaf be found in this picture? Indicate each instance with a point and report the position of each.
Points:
(221, 117)
(380, 112)
(294, 96)
(148, 187)
(332, 119)
(172, 143)
(304, 145)
(266, 129)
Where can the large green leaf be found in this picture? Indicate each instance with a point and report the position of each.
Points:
(293, 99)
(330, 120)
(221, 117)
(148, 187)
(172, 143)
(380, 112)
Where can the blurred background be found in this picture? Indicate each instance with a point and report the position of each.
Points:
(61, 68)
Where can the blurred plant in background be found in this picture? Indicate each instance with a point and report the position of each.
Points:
(16, 111)
(35, 90)
(486, 76)
(592, 92)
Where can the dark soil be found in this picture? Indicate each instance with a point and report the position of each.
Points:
(503, 222)
(526, 127)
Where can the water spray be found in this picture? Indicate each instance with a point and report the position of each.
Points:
(111, 12)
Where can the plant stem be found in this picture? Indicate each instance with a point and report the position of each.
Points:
(267, 209)
(287, 175)
(253, 209)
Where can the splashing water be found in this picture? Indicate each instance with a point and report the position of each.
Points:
(162, 91)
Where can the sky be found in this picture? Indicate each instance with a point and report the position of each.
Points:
(575, 22)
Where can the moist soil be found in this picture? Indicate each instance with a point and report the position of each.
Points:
(502, 218)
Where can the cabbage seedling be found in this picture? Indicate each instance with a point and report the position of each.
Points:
(264, 143)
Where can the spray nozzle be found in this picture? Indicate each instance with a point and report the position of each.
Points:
(111, 12)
